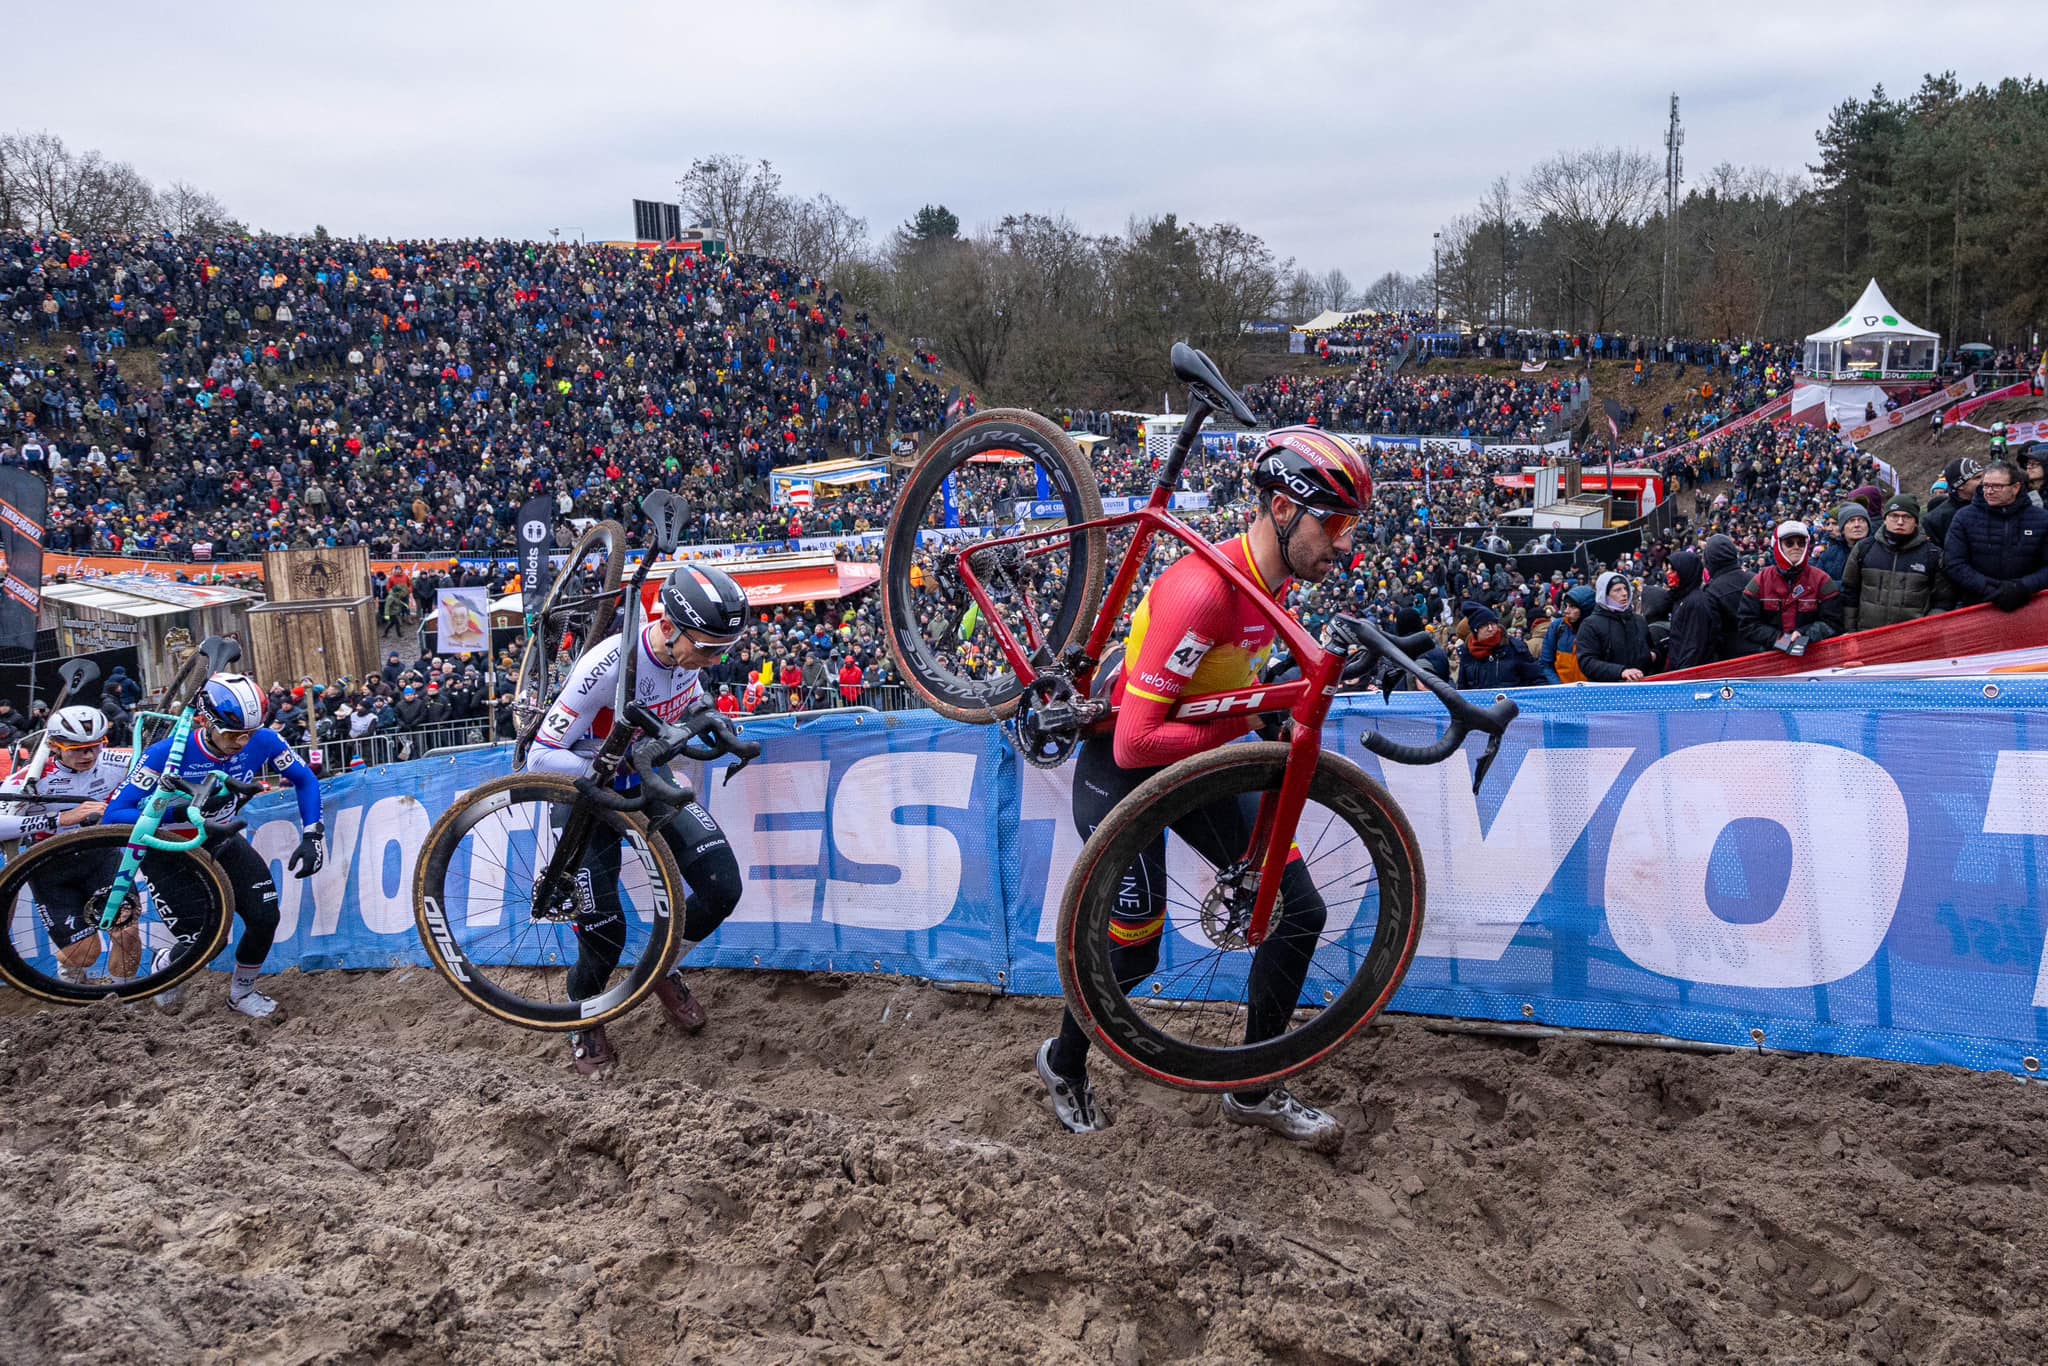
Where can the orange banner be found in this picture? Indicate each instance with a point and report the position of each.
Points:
(93, 566)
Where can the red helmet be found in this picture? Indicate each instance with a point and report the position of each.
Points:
(1315, 469)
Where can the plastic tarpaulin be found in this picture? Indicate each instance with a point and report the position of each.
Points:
(1832, 866)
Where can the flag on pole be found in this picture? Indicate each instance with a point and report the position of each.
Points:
(969, 622)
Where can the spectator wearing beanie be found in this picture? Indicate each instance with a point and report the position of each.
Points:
(1852, 527)
(1960, 482)
(1895, 575)
(1488, 658)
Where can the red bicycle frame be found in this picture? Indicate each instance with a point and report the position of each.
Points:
(1306, 700)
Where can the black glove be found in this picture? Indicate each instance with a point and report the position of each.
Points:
(311, 853)
(2010, 597)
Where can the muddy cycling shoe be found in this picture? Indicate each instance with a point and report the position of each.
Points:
(1073, 1101)
(590, 1052)
(1287, 1117)
(252, 1003)
(680, 1004)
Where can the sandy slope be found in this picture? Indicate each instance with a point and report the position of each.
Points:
(861, 1170)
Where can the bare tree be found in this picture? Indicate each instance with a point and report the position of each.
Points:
(1298, 297)
(1595, 201)
(183, 210)
(739, 199)
(1392, 292)
(52, 187)
(1334, 290)
(819, 234)
(1497, 229)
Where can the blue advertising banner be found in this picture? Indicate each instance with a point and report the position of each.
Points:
(1824, 866)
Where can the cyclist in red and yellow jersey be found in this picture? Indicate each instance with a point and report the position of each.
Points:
(1196, 634)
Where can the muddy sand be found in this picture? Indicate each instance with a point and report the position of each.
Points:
(861, 1170)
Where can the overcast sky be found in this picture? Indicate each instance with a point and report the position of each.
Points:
(1342, 133)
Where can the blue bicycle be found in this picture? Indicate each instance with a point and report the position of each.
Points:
(161, 907)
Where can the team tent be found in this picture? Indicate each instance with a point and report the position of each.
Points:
(1872, 342)
(1327, 320)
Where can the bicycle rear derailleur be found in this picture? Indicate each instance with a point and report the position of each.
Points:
(1050, 719)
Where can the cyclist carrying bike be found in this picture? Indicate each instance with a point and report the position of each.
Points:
(703, 612)
(231, 739)
(85, 771)
(1193, 635)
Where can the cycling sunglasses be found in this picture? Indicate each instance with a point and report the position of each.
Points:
(74, 746)
(1336, 525)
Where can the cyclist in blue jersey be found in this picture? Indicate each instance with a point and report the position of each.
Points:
(231, 739)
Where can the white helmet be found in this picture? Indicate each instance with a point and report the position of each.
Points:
(78, 726)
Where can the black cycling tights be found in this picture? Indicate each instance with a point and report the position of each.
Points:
(1221, 834)
(707, 864)
(248, 880)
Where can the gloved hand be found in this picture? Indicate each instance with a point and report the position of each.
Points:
(2010, 597)
(311, 853)
(1784, 642)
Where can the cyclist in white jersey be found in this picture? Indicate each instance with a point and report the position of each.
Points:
(81, 765)
(703, 613)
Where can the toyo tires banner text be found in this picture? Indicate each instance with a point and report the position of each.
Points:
(1825, 866)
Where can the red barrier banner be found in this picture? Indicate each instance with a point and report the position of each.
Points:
(1919, 407)
(1947, 635)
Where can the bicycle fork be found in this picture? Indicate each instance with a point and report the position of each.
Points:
(1272, 841)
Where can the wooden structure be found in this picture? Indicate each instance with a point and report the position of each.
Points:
(163, 620)
(321, 620)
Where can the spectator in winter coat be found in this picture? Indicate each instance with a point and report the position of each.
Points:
(1726, 579)
(1614, 642)
(1408, 622)
(1490, 659)
(1961, 477)
(1560, 660)
(1695, 624)
(411, 709)
(1896, 575)
(1790, 604)
(1997, 547)
(1852, 527)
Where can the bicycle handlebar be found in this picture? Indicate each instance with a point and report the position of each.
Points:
(1466, 715)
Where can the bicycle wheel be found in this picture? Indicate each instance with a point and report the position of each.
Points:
(986, 467)
(574, 613)
(588, 959)
(173, 922)
(1185, 1019)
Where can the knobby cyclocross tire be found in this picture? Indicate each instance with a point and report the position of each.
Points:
(979, 701)
(471, 979)
(544, 660)
(206, 926)
(1083, 942)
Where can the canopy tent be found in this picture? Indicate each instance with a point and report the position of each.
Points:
(823, 477)
(809, 576)
(1872, 342)
(1326, 321)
